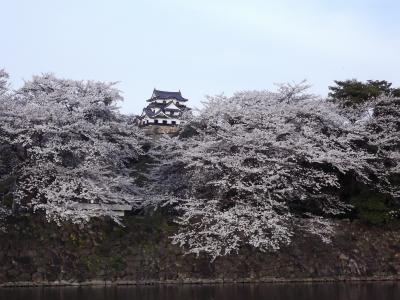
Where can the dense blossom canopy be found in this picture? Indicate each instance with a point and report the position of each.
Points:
(253, 169)
(4, 210)
(259, 166)
(77, 147)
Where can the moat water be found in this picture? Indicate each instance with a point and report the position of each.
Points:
(292, 291)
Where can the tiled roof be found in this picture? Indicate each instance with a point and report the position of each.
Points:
(157, 94)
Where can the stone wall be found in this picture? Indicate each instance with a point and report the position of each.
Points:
(159, 129)
(34, 251)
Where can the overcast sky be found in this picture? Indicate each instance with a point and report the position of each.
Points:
(201, 47)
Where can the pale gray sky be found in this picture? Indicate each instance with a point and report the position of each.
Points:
(201, 47)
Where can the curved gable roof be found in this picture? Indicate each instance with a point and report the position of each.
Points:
(171, 106)
(157, 94)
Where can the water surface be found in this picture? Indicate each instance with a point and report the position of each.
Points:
(297, 291)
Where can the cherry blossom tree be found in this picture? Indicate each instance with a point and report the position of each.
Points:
(253, 169)
(256, 168)
(78, 148)
(4, 95)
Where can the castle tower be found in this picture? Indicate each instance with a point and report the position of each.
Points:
(164, 109)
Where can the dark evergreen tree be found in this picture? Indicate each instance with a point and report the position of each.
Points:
(351, 93)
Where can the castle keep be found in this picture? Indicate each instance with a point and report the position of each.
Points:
(164, 109)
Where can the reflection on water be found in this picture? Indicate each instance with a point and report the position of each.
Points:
(297, 291)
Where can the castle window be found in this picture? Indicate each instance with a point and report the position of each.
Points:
(164, 122)
(173, 122)
(155, 121)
